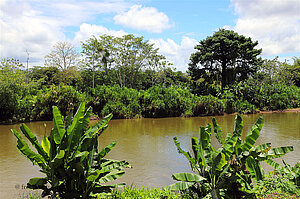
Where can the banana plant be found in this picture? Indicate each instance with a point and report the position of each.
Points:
(222, 172)
(69, 157)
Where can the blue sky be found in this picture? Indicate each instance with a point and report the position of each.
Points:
(174, 26)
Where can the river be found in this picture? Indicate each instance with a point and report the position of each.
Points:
(147, 144)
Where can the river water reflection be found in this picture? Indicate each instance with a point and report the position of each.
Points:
(148, 145)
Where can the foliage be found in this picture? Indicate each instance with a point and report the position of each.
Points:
(208, 105)
(276, 185)
(295, 71)
(95, 56)
(161, 101)
(63, 96)
(264, 96)
(69, 157)
(292, 173)
(121, 102)
(227, 171)
(46, 76)
(226, 56)
(16, 96)
(127, 55)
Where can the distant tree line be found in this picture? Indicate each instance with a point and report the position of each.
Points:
(128, 77)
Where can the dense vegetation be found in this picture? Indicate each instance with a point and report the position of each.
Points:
(127, 76)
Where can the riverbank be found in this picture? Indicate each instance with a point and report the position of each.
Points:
(293, 110)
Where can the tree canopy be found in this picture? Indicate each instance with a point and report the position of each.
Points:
(127, 56)
(224, 58)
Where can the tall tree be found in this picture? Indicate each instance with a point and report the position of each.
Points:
(128, 56)
(64, 57)
(95, 56)
(226, 56)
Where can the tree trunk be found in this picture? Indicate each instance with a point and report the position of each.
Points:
(223, 75)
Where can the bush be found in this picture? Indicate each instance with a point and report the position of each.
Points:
(276, 96)
(161, 101)
(9, 97)
(276, 186)
(208, 105)
(121, 102)
(62, 96)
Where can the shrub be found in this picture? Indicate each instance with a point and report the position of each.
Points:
(121, 102)
(208, 105)
(276, 185)
(64, 97)
(161, 101)
(244, 107)
(9, 96)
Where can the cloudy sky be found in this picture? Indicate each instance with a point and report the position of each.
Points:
(174, 26)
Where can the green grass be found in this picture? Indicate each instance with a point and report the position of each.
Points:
(145, 193)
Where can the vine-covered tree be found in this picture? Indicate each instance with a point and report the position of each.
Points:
(224, 58)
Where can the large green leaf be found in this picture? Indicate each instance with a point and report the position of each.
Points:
(86, 119)
(218, 131)
(188, 177)
(35, 158)
(37, 183)
(179, 186)
(262, 148)
(277, 166)
(32, 138)
(113, 164)
(75, 122)
(253, 134)
(75, 131)
(229, 145)
(255, 169)
(186, 154)
(100, 125)
(196, 150)
(106, 150)
(238, 125)
(46, 144)
(58, 125)
(219, 162)
(112, 175)
(277, 152)
(69, 118)
(206, 150)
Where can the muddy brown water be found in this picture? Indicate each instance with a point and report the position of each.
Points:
(147, 144)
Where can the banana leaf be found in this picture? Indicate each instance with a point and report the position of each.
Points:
(188, 177)
(253, 134)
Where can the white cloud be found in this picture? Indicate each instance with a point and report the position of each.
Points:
(274, 23)
(35, 25)
(178, 54)
(21, 30)
(88, 30)
(143, 18)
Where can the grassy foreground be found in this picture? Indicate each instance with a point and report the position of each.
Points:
(132, 192)
(156, 193)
